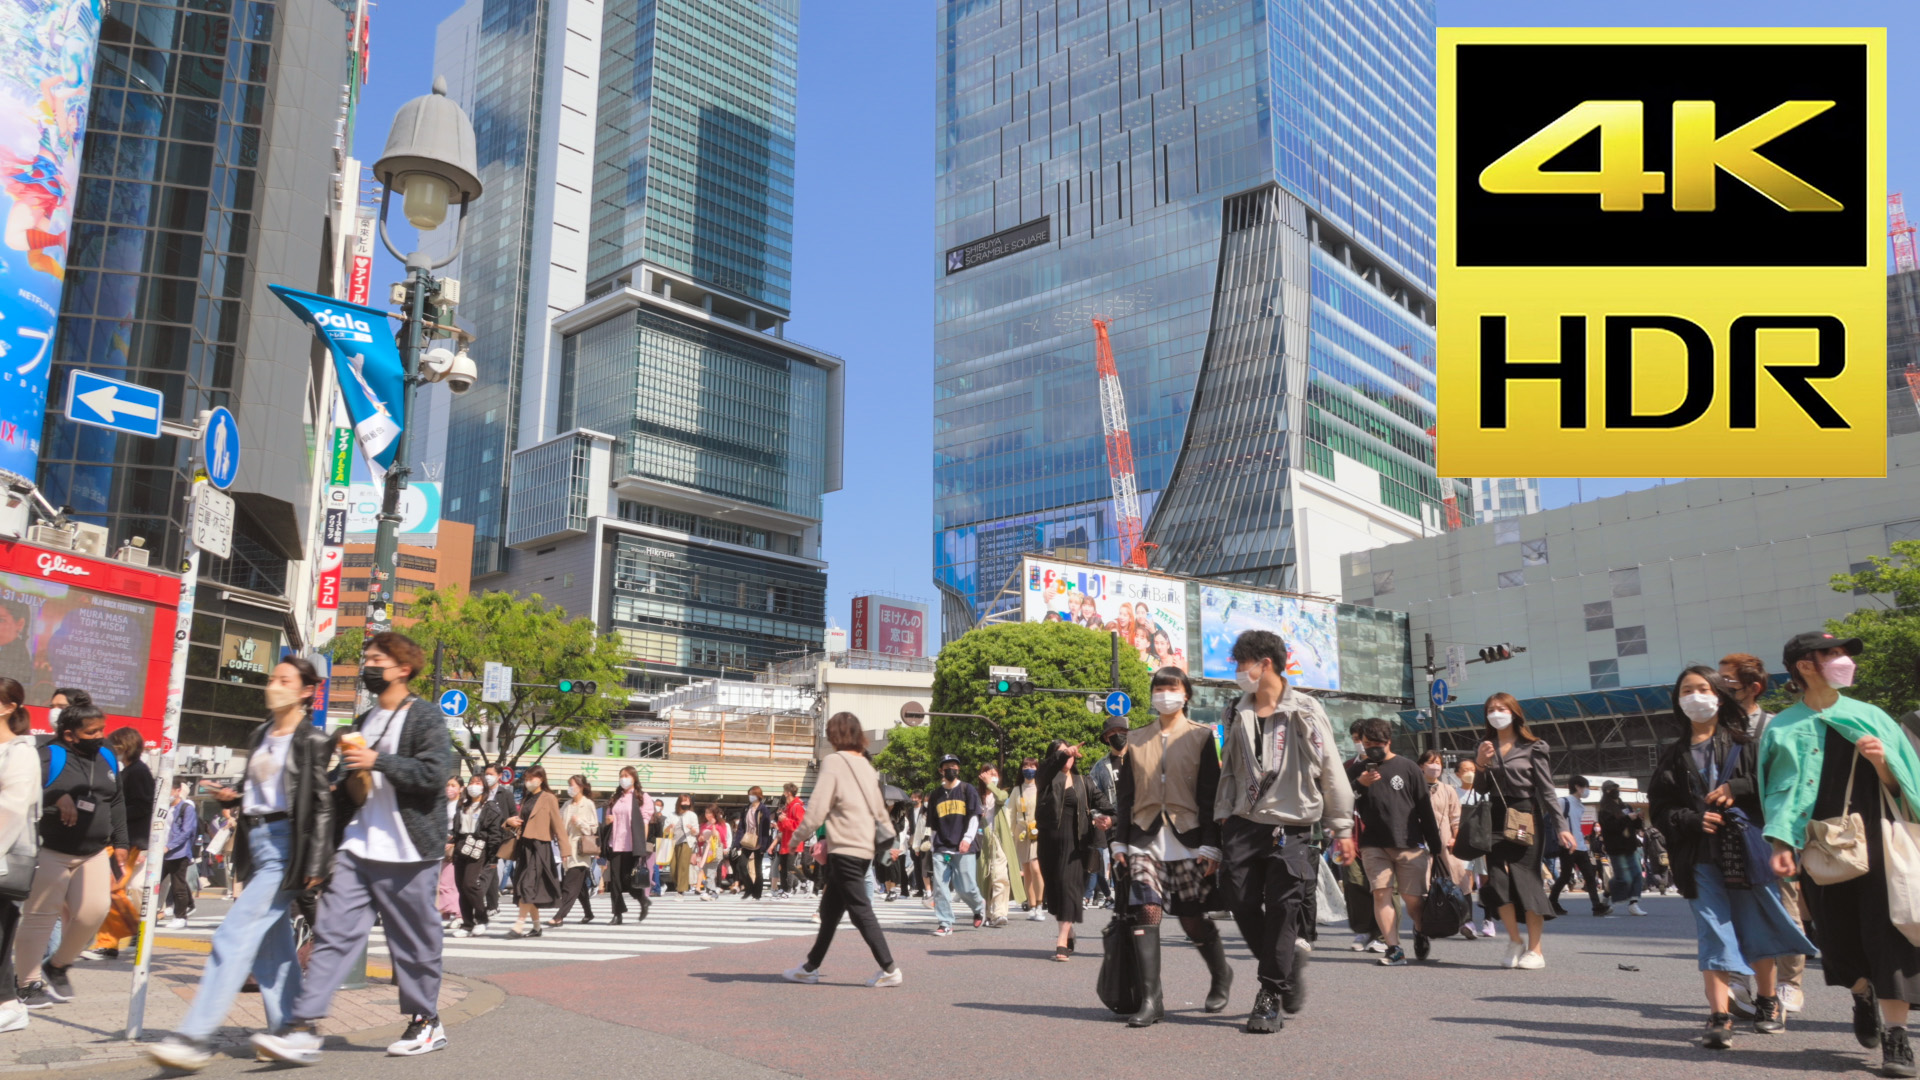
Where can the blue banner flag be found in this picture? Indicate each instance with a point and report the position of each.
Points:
(367, 360)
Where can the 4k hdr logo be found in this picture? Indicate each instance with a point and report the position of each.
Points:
(1662, 251)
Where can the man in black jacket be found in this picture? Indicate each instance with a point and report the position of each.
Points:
(390, 802)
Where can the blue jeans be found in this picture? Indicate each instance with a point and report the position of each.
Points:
(257, 937)
(950, 868)
(1626, 876)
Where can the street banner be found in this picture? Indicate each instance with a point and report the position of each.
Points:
(367, 361)
(1661, 250)
(49, 47)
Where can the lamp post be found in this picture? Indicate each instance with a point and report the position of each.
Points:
(430, 162)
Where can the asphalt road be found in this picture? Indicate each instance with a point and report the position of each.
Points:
(990, 1003)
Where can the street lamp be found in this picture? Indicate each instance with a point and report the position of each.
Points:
(430, 162)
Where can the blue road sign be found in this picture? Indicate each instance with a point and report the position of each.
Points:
(454, 703)
(220, 448)
(117, 406)
(1439, 692)
(1119, 704)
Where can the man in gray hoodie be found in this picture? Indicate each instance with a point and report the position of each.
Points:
(1281, 776)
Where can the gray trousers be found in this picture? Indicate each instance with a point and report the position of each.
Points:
(405, 896)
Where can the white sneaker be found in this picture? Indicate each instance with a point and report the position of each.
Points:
(1512, 959)
(1037, 915)
(1468, 932)
(888, 978)
(175, 924)
(1633, 908)
(800, 974)
(184, 1055)
(460, 932)
(1360, 942)
(13, 1016)
(1376, 945)
(1791, 999)
(293, 1047)
(1740, 996)
(1301, 944)
(1531, 961)
(1486, 929)
(479, 930)
(423, 1036)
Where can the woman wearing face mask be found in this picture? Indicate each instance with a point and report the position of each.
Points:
(582, 820)
(1065, 818)
(479, 828)
(1025, 799)
(283, 846)
(1466, 770)
(756, 834)
(1826, 756)
(626, 847)
(1166, 839)
(1446, 816)
(535, 885)
(1515, 774)
(1701, 778)
(446, 895)
(685, 828)
(19, 790)
(82, 816)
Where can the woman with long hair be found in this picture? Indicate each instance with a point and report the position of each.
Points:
(19, 791)
(847, 802)
(283, 847)
(683, 832)
(1517, 777)
(582, 819)
(626, 848)
(535, 882)
(1065, 821)
(446, 893)
(479, 828)
(1703, 793)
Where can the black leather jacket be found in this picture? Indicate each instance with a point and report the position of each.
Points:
(490, 827)
(309, 802)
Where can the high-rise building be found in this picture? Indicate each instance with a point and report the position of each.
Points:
(215, 164)
(1496, 498)
(645, 445)
(1903, 353)
(1246, 190)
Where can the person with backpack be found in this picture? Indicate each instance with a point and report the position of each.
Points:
(1573, 810)
(83, 825)
(1620, 828)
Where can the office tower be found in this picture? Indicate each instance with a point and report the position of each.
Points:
(1246, 191)
(1496, 498)
(212, 167)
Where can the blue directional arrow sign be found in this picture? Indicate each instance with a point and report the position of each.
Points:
(1119, 704)
(1439, 692)
(220, 448)
(101, 402)
(454, 703)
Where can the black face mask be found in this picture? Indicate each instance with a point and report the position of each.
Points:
(1376, 754)
(1029, 773)
(88, 747)
(375, 679)
(950, 774)
(1117, 741)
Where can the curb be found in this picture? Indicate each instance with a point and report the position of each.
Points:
(482, 997)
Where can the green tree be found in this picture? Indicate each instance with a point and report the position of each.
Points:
(907, 760)
(1889, 672)
(1056, 655)
(542, 644)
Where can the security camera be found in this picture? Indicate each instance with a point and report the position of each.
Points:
(461, 374)
(435, 364)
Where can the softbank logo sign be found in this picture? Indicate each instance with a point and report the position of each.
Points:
(343, 327)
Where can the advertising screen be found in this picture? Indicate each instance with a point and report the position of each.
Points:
(1307, 626)
(1149, 612)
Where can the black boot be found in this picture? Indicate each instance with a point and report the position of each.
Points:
(1214, 952)
(1146, 949)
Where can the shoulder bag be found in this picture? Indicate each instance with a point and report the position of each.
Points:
(1475, 835)
(17, 864)
(1900, 847)
(586, 842)
(1836, 848)
(1517, 827)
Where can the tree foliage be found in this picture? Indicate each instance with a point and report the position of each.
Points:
(542, 644)
(1889, 666)
(908, 758)
(1056, 655)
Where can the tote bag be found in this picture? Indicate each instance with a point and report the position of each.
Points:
(1900, 840)
(1475, 837)
(1836, 848)
(17, 863)
(1118, 983)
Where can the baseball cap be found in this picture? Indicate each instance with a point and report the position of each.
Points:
(1813, 641)
(1113, 724)
(950, 757)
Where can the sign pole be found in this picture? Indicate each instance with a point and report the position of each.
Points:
(163, 785)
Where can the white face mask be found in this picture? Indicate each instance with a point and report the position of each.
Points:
(1433, 773)
(753, 798)
(626, 782)
(1248, 680)
(492, 780)
(1699, 707)
(1501, 719)
(473, 790)
(53, 716)
(1167, 702)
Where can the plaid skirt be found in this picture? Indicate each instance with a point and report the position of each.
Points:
(1179, 887)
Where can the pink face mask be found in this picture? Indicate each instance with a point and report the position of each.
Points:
(1838, 671)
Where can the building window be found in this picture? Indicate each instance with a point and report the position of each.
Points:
(1630, 641)
(1599, 615)
(1382, 582)
(405, 562)
(1625, 582)
(1506, 532)
(1902, 530)
(1603, 674)
(1533, 552)
(1512, 579)
(1362, 563)
(1859, 568)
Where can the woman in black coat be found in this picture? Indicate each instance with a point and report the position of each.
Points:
(1063, 814)
(479, 828)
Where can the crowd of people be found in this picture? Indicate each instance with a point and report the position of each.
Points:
(1770, 827)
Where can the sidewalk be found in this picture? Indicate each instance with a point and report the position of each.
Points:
(87, 1032)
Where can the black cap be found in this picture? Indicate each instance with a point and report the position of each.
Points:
(1113, 724)
(1813, 641)
(949, 757)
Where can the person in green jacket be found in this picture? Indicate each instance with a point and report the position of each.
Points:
(997, 882)
(1825, 757)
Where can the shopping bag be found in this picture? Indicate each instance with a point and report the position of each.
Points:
(1119, 982)
(1900, 844)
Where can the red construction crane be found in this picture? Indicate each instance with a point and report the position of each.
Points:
(1113, 416)
(1902, 233)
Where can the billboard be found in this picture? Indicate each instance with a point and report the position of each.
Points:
(1307, 626)
(1149, 612)
(70, 620)
(890, 626)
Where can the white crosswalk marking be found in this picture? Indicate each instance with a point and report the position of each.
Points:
(676, 925)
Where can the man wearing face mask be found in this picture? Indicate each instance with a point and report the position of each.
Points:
(82, 817)
(956, 825)
(388, 798)
(1397, 817)
(1281, 777)
(1573, 808)
(1103, 797)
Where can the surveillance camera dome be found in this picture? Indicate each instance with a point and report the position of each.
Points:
(461, 374)
(436, 363)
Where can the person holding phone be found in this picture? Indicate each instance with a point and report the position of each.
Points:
(1065, 820)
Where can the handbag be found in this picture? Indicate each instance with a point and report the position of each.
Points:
(472, 848)
(1836, 848)
(1446, 909)
(1746, 858)
(17, 865)
(1900, 846)
(1517, 827)
(1475, 837)
(1118, 983)
(883, 833)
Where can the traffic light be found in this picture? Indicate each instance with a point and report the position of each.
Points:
(1493, 654)
(579, 686)
(1009, 688)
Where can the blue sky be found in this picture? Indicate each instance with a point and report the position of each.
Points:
(863, 284)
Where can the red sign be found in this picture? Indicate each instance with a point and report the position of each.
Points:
(70, 620)
(360, 279)
(858, 639)
(902, 630)
(327, 598)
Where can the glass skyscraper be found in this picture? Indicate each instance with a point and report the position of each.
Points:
(1245, 188)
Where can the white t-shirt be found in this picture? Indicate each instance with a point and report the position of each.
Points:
(267, 777)
(376, 833)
